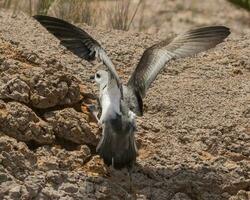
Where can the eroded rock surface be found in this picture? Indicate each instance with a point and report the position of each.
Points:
(72, 126)
(19, 121)
(38, 87)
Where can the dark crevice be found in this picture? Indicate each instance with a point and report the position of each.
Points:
(41, 111)
(66, 144)
(72, 146)
(92, 149)
(33, 145)
(9, 100)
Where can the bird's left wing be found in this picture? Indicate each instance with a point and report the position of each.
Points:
(187, 44)
(77, 41)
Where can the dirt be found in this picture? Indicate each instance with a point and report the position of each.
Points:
(164, 16)
(194, 137)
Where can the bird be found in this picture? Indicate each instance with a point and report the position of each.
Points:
(122, 103)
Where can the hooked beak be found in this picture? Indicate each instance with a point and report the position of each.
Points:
(92, 79)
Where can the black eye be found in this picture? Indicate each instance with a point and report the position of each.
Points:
(98, 75)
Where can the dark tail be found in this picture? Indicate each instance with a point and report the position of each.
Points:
(117, 146)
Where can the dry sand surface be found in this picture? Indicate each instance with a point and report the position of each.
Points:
(194, 137)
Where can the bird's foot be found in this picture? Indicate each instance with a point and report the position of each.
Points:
(94, 112)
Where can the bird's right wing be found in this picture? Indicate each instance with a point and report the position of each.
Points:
(77, 41)
(187, 44)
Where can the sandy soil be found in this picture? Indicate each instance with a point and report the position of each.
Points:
(163, 16)
(194, 138)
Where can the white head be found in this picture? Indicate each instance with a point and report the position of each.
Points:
(101, 77)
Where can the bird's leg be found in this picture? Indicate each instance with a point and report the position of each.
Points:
(130, 180)
(95, 114)
(113, 166)
(92, 109)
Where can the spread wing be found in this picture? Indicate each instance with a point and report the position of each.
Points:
(155, 58)
(77, 41)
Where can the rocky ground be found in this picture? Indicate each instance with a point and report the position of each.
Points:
(194, 138)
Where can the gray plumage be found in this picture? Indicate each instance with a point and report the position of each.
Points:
(121, 103)
(155, 57)
(117, 146)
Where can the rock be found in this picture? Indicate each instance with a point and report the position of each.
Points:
(180, 196)
(16, 192)
(241, 195)
(51, 158)
(72, 125)
(16, 89)
(54, 87)
(39, 87)
(16, 157)
(35, 183)
(68, 188)
(20, 122)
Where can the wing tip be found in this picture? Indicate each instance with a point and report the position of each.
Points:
(224, 29)
(39, 17)
(218, 32)
(227, 30)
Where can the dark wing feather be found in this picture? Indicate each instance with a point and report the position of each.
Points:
(154, 58)
(77, 41)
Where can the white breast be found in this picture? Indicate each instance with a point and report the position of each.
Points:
(110, 102)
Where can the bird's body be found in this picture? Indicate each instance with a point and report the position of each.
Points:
(120, 104)
(117, 146)
(110, 103)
